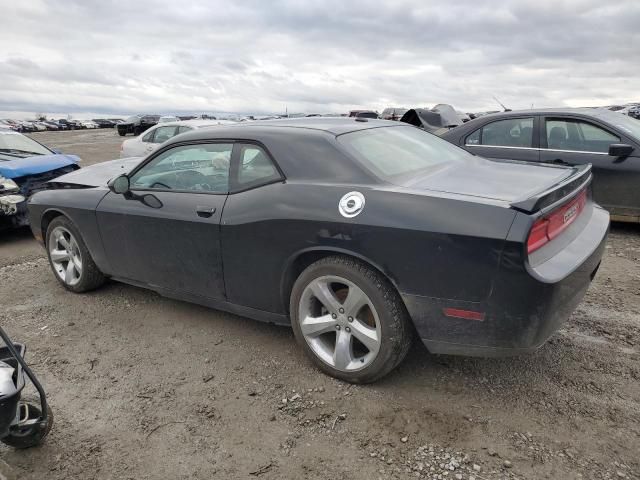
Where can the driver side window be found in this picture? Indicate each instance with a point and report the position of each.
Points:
(193, 168)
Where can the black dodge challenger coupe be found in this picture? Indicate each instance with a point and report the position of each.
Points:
(357, 232)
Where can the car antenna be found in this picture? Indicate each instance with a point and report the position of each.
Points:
(501, 104)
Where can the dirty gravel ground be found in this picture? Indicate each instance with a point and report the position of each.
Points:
(143, 387)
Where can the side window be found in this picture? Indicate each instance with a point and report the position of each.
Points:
(255, 167)
(148, 137)
(163, 134)
(183, 129)
(198, 168)
(512, 132)
(474, 138)
(579, 136)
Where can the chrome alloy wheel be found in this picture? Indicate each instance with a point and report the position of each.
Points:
(339, 323)
(65, 255)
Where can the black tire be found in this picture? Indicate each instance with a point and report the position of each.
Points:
(91, 277)
(122, 133)
(33, 435)
(395, 323)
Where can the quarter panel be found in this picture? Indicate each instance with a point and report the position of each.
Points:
(426, 245)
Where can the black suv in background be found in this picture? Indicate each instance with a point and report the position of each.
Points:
(137, 124)
(363, 114)
(610, 141)
(104, 123)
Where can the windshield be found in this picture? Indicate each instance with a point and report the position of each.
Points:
(13, 144)
(395, 152)
(133, 118)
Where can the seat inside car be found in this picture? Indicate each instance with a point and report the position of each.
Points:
(526, 133)
(557, 137)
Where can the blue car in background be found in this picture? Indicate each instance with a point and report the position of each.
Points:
(25, 168)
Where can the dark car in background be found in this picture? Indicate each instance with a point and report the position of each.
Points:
(137, 124)
(71, 124)
(356, 232)
(104, 123)
(363, 114)
(67, 124)
(608, 140)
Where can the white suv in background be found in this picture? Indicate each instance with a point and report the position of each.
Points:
(150, 139)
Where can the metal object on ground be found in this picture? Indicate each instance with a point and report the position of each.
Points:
(22, 424)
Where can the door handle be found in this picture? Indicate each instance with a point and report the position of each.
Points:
(205, 212)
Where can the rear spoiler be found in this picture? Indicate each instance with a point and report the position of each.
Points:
(577, 181)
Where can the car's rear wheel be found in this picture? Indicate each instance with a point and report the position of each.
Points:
(349, 319)
(69, 257)
(122, 133)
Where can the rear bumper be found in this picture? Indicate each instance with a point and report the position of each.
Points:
(527, 304)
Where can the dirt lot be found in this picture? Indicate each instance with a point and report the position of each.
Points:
(148, 388)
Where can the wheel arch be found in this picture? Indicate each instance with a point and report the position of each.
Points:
(47, 217)
(299, 261)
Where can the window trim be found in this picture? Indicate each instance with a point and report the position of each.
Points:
(535, 145)
(543, 132)
(502, 146)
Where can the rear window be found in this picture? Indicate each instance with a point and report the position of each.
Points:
(394, 152)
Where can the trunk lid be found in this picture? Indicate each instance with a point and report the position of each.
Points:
(526, 187)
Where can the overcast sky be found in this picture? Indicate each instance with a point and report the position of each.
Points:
(325, 56)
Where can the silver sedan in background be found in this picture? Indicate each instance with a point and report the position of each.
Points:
(152, 138)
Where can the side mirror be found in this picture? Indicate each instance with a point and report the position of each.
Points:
(151, 201)
(620, 150)
(119, 185)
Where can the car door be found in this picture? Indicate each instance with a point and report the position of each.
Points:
(510, 138)
(576, 141)
(165, 233)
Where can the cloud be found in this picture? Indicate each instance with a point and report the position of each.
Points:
(316, 56)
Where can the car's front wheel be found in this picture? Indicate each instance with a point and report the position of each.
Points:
(69, 257)
(349, 319)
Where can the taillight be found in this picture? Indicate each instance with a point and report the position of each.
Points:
(549, 227)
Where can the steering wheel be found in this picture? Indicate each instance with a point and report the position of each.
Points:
(189, 178)
(161, 184)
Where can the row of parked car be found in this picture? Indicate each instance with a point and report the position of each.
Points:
(29, 126)
(396, 113)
